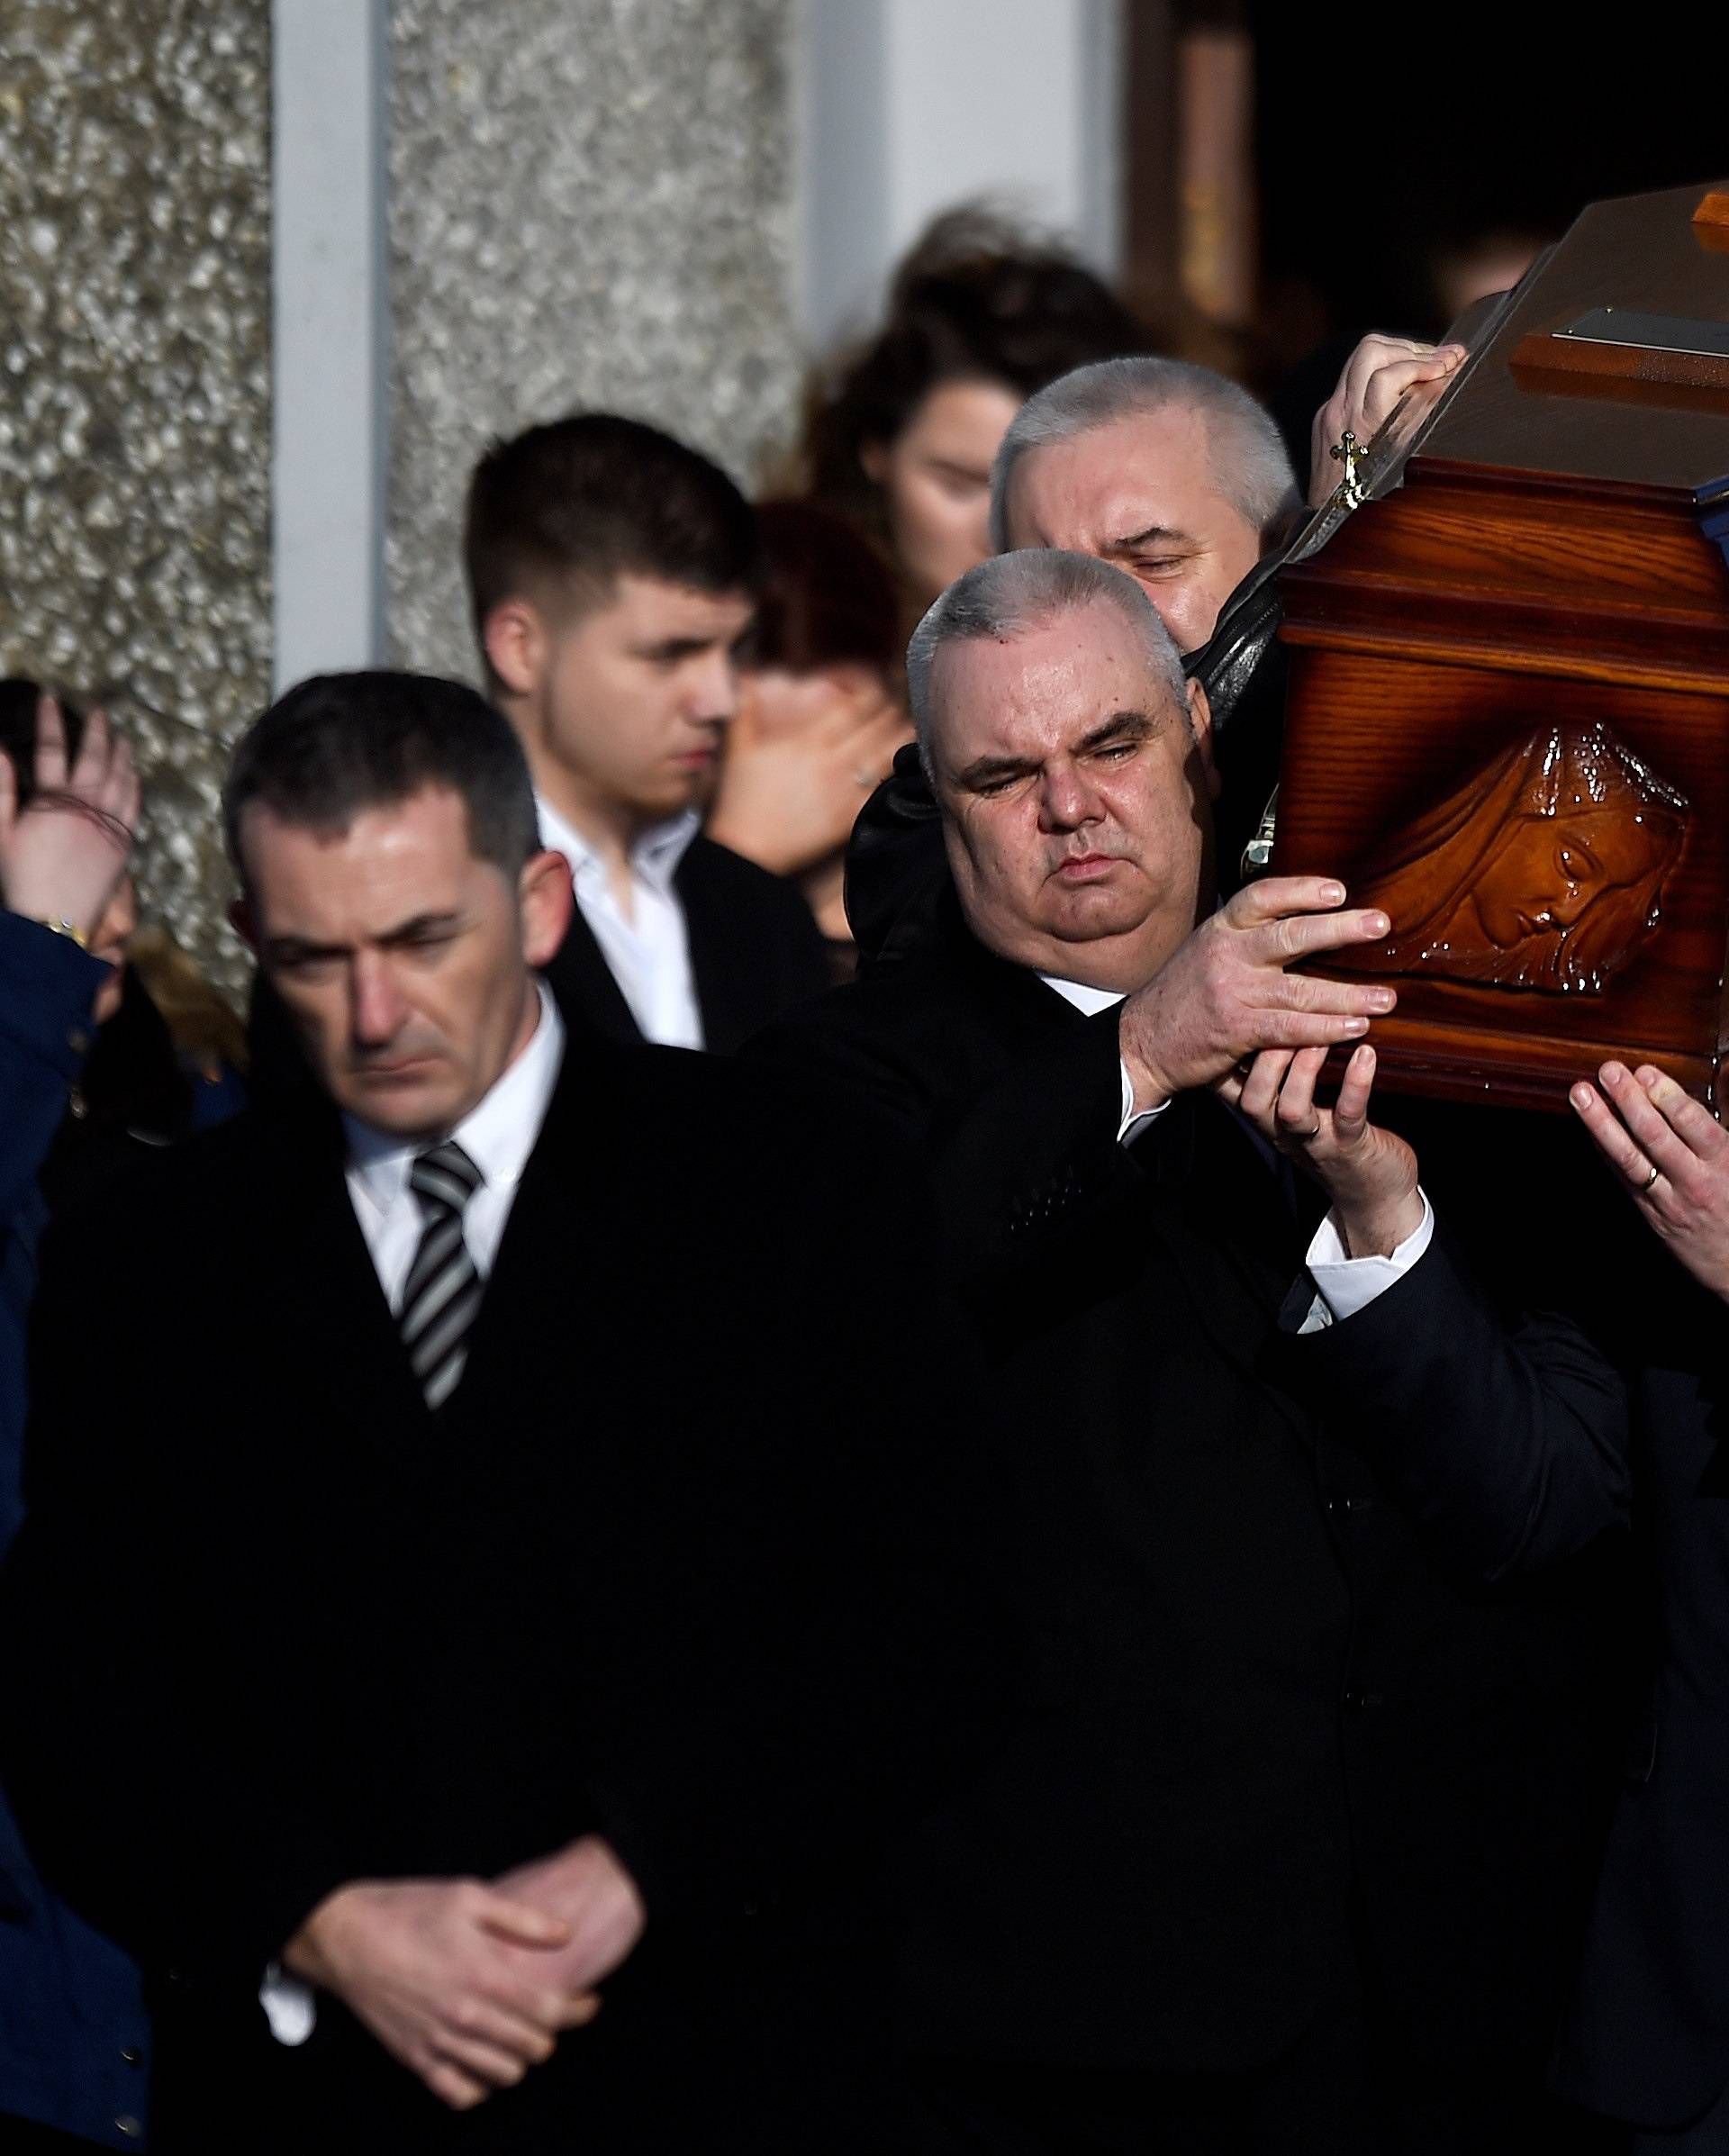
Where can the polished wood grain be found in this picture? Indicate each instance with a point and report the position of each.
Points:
(1546, 869)
(1536, 357)
(1374, 742)
(1539, 559)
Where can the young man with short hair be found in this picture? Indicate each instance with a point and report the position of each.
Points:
(612, 572)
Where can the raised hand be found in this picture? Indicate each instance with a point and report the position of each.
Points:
(1673, 1156)
(1370, 1175)
(457, 1980)
(1225, 995)
(62, 856)
(802, 757)
(1376, 376)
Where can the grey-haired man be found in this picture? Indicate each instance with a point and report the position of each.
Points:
(1228, 1887)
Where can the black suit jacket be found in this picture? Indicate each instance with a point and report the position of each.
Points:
(1647, 2036)
(1521, 1458)
(659, 1569)
(1288, 1730)
(755, 951)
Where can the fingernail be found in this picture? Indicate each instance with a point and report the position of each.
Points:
(1384, 999)
(1613, 1074)
(1333, 894)
(1378, 924)
(1356, 1025)
(1580, 1096)
(1650, 1077)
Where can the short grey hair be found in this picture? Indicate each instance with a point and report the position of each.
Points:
(1251, 462)
(1010, 593)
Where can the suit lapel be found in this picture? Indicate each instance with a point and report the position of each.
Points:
(568, 1227)
(338, 1328)
(582, 982)
(1235, 1239)
(714, 967)
(1020, 1011)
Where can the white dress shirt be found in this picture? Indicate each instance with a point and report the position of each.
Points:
(1343, 1285)
(647, 950)
(498, 1136)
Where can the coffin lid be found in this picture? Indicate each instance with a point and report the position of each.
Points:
(1513, 410)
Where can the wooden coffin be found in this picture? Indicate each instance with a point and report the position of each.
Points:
(1508, 712)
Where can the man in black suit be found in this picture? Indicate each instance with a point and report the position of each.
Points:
(1290, 1856)
(611, 572)
(1505, 1443)
(520, 1599)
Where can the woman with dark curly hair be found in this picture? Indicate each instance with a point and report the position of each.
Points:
(901, 430)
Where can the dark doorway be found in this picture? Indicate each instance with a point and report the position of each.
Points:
(1383, 167)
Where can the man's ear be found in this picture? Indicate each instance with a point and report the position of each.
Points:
(514, 639)
(547, 901)
(1200, 724)
(244, 923)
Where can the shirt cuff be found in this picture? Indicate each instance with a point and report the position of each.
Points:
(288, 2006)
(1133, 1120)
(1343, 1285)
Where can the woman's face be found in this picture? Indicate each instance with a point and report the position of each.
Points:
(1553, 868)
(936, 479)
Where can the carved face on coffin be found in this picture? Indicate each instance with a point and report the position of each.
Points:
(1545, 870)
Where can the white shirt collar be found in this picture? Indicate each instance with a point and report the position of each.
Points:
(655, 856)
(1085, 999)
(498, 1133)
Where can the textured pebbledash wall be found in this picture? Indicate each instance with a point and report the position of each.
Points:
(590, 204)
(135, 395)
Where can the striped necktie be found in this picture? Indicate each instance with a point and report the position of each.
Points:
(441, 1297)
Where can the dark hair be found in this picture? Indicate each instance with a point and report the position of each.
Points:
(19, 696)
(826, 599)
(575, 504)
(342, 743)
(977, 300)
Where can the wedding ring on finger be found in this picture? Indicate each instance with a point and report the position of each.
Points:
(1650, 1184)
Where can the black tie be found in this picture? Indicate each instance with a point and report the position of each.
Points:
(442, 1294)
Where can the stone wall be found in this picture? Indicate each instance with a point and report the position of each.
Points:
(135, 395)
(590, 204)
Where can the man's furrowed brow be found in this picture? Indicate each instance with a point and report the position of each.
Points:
(1124, 725)
(285, 948)
(985, 771)
(1152, 535)
(683, 646)
(421, 925)
(291, 950)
